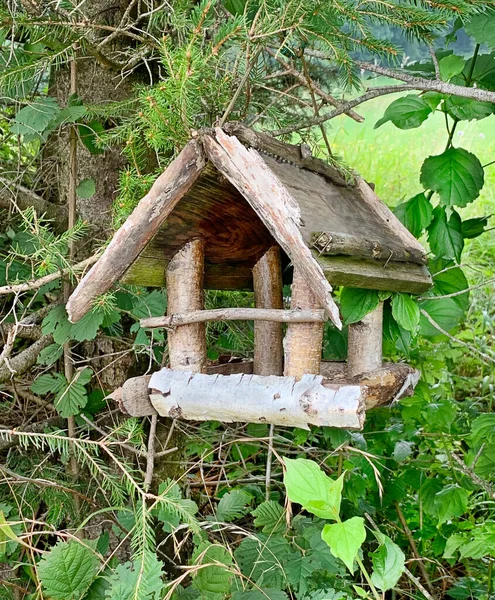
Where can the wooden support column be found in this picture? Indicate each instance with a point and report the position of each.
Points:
(303, 341)
(268, 293)
(185, 274)
(365, 343)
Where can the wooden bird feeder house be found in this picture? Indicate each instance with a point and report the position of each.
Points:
(233, 211)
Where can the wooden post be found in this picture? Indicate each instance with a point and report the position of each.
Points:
(185, 274)
(268, 293)
(303, 341)
(365, 343)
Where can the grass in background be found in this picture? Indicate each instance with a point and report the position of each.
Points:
(392, 159)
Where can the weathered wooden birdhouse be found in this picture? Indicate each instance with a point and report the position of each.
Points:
(234, 211)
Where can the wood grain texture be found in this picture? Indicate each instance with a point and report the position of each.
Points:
(275, 315)
(257, 399)
(392, 277)
(303, 342)
(247, 171)
(138, 229)
(268, 294)
(364, 345)
(185, 272)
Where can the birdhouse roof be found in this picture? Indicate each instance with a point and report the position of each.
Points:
(243, 192)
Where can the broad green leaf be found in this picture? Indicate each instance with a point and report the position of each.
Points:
(482, 72)
(88, 134)
(485, 465)
(270, 516)
(481, 27)
(445, 312)
(71, 114)
(73, 397)
(456, 175)
(483, 429)
(141, 580)
(355, 303)
(57, 324)
(6, 534)
(233, 505)
(50, 354)
(174, 509)
(262, 560)
(299, 570)
(451, 281)
(405, 311)
(402, 451)
(345, 539)
(308, 485)
(261, 594)
(416, 214)
(467, 109)
(407, 112)
(388, 564)
(86, 188)
(34, 118)
(87, 327)
(472, 228)
(450, 66)
(45, 384)
(67, 570)
(451, 502)
(445, 234)
(214, 580)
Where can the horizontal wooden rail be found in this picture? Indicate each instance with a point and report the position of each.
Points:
(235, 314)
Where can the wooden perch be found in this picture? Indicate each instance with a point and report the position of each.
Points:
(280, 213)
(378, 388)
(138, 230)
(257, 399)
(235, 314)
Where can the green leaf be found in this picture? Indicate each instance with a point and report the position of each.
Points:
(233, 505)
(34, 118)
(481, 27)
(355, 303)
(450, 66)
(456, 175)
(402, 451)
(445, 235)
(71, 114)
(176, 509)
(141, 580)
(416, 214)
(261, 594)
(451, 281)
(87, 327)
(262, 560)
(308, 485)
(483, 429)
(407, 112)
(485, 465)
(68, 570)
(451, 502)
(472, 228)
(405, 311)
(345, 539)
(212, 580)
(45, 384)
(270, 516)
(467, 109)
(73, 397)
(444, 311)
(388, 563)
(50, 354)
(57, 324)
(89, 133)
(86, 188)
